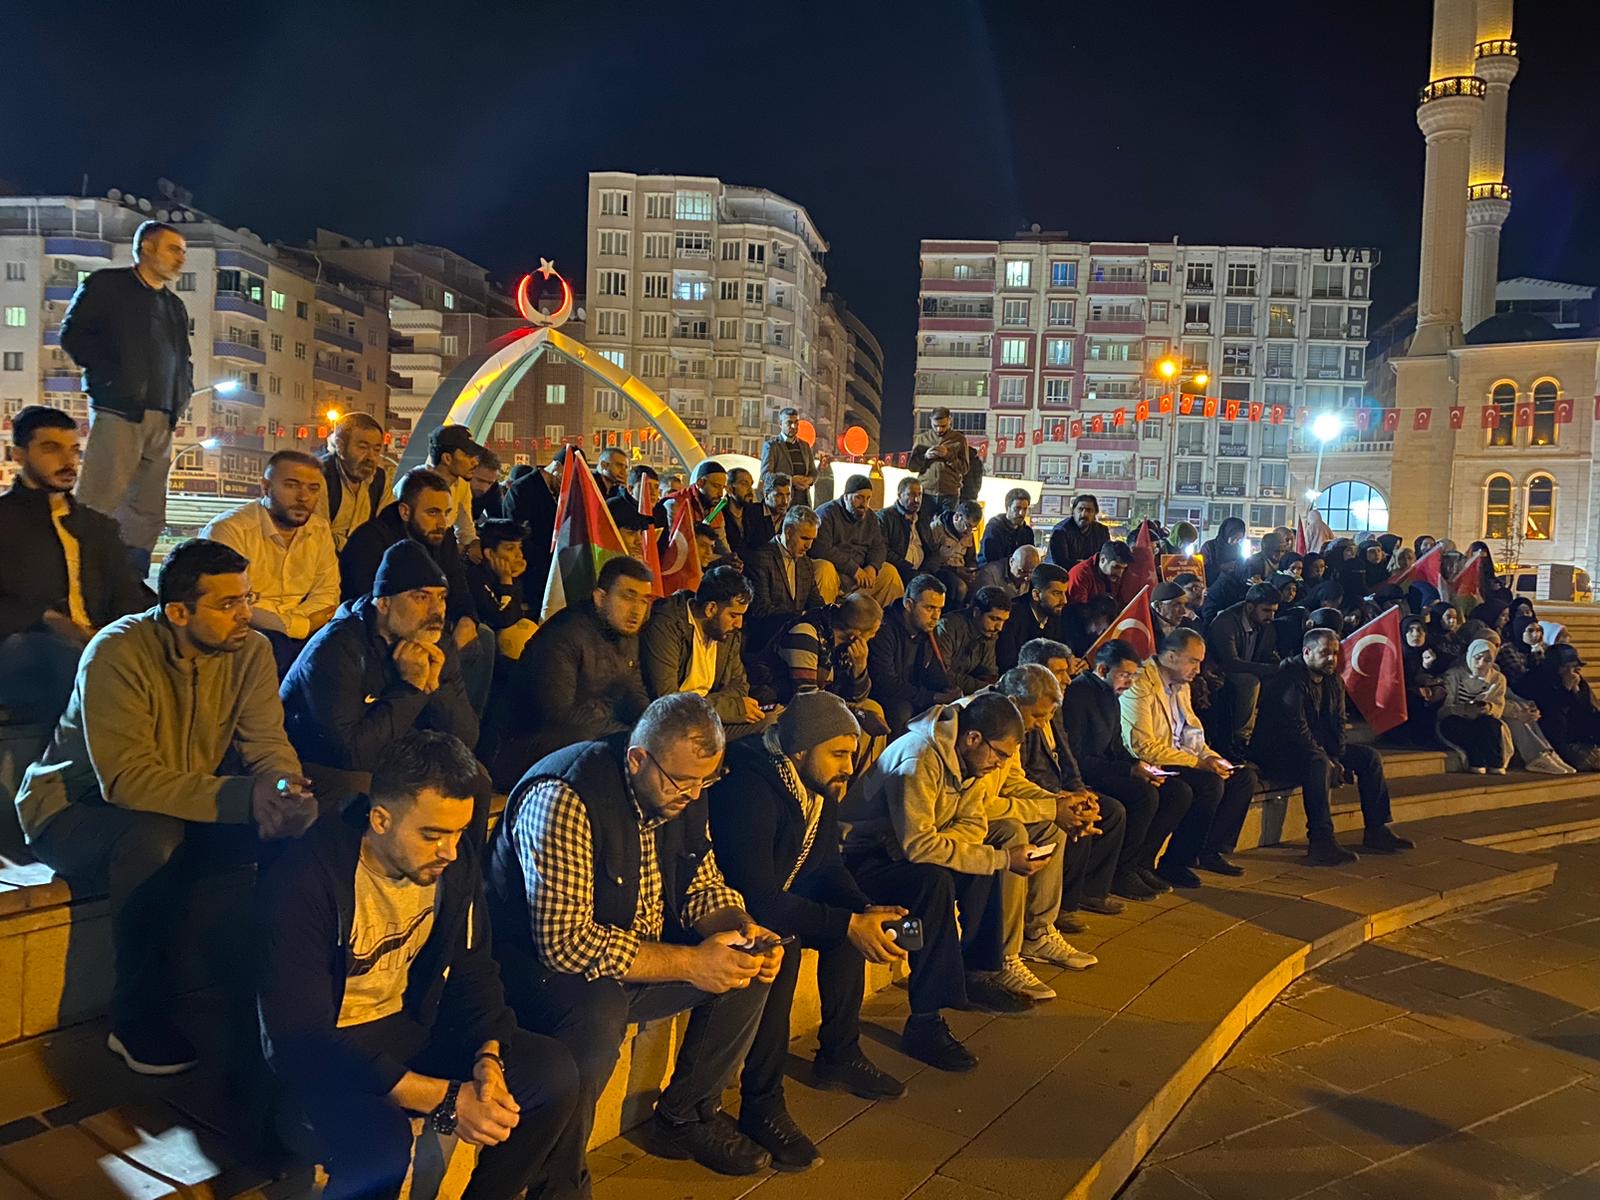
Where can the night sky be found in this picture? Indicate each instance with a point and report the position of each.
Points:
(475, 125)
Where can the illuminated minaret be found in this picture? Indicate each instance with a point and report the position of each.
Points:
(1488, 197)
(1450, 108)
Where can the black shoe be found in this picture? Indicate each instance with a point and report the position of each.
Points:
(153, 1047)
(1068, 922)
(1106, 906)
(1328, 853)
(1213, 861)
(1178, 875)
(1130, 885)
(985, 995)
(857, 1076)
(1153, 881)
(929, 1040)
(1383, 840)
(714, 1143)
(775, 1131)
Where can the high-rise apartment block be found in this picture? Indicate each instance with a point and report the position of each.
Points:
(1019, 337)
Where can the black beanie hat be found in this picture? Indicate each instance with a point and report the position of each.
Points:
(406, 565)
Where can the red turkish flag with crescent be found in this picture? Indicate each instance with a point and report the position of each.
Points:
(1097, 424)
(1077, 427)
(1373, 672)
(1277, 414)
(1038, 436)
(1164, 404)
(1141, 411)
(1363, 419)
(681, 566)
(1563, 412)
(1256, 409)
(1058, 432)
(1021, 441)
(1209, 406)
(1133, 625)
(1488, 417)
(1186, 405)
(1421, 419)
(1391, 419)
(1427, 568)
(1232, 410)
(1119, 416)
(1458, 416)
(1524, 415)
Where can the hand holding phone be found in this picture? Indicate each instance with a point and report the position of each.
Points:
(1040, 853)
(906, 932)
(765, 945)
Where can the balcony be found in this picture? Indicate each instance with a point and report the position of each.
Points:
(1114, 366)
(336, 376)
(1233, 450)
(1273, 491)
(239, 302)
(63, 381)
(334, 298)
(1116, 287)
(91, 249)
(779, 390)
(240, 351)
(59, 291)
(246, 397)
(942, 284)
(1108, 441)
(1125, 326)
(52, 336)
(783, 272)
(231, 258)
(1199, 287)
(971, 323)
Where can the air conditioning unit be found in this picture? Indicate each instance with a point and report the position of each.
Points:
(1274, 372)
(1241, 370)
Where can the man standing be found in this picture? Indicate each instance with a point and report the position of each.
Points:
(944, 459)
(907, 532)
(908, 673)
(586, 952)
(129, 797)
(531, 502)
(488, 496)
(77, 576)
(454, 456)
(290, 549)
(692, 643)
(741, 504)
(1035, 614)
(1010, 529)
(130, 334)
(1079, 535)
(775, 823)
(1244, 647)
(1159, 727)
(967, 639)
(783, 578)
(1013, 574)
(1099, 576)
(850, 550)
(611, 472)
(355, 482)
(1300, 739)
(787, 455)
(378, 997)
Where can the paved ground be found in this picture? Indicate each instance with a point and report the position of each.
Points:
(1458, 1058)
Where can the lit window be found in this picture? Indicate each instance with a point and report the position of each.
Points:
(1019, 271)
(693, 206)
(1351, 506)
(16, 316)
(1497, 506)
(1058, 352)
(1014, 352)
(1541, 518)
(449, 299)
(1544, 415)
(279, 301)
(1505, 403)
(1062, 274)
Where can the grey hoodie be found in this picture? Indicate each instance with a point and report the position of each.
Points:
(914, 803)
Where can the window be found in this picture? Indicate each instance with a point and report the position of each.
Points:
(723, 406)
(1327, 320)
(1058, 392)
(1504, 399)
(728, 289)
(555, 393)
(658, 206)
(1016, 312)
(1280, 360)
(16, 316)
(1054, 466)
(693, 206)
(1237, 357)
(279, 301)
(728, 329)
(1323, 362)
(752, 370)
(969, 422)
(1230, 478)
(1158, 310)
(655, 286)
(1189, 476)
(605, 401)
(690, 287)
(1497, 506)
(1019, 272)
(372, 374)
(1539, 524)
(1007, 428)
(277, 341)
(1161, 272)
(1149, 468)
(1013, 392)
(1191, 437)
(1351, 506)
(13, 360)
(1268, 515)
(1274, 479)
(449, 300)
(185, 280)
(755, 294)
(1280, 320)
(299, 349)
(614, 203)
(1153, 431)
(1197, 314)
(750, 413)
(450, 344)
(730, 250)
(1241, 279)
(1238, 320)
(1058, 352)
(1275, 441)
(755, 254)
(1198, 277)
(754, 333)
(656, 245)
(612, 242)
(554, 433)
(1327, 282)
(1544, 417)
(1063, 312)
(1283, 279)
(653, 325)
(1113, 351)
(727, 368)
(301, 309)
(652, 366)
(691, 245)
(614, 283)
(617, 358)
(1013, 351)
(1062, 274)
(612, 322)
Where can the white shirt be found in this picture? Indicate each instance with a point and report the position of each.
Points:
(702, 673)
(295, 578)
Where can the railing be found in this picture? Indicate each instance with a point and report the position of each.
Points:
(1489, 191)
(1202, 289)
(1497, 48)
(223, 348)
(954, 352)
(1455, 85)
(969, 277)
(338, 337)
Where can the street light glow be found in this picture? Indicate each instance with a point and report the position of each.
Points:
(1202, 379)
(1326, 426)
(333, 414)
(1311, 495)
(225, 387)
(1168, 368)
(210, 443)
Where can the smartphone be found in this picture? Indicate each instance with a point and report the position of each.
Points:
(1037, 853)
(1161, 771)
(906, 931)
(763, 945)
(1226, 765)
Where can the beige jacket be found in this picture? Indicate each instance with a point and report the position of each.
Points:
(1147, 720)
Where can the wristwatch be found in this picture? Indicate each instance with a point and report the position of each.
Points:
(443, 1118)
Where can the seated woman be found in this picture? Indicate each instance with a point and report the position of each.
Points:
(1444, 633)
(1523, 718)
(1567, 711)
(1470, 714)
(1522, 645)
(1423, 688)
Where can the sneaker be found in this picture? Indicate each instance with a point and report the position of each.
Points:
(1069, 923)
(1015, 977)
(1329, 853)
(1497, 770)
(928, 1039)
(1214, 862)
(775, 1132)
(1104, 905)
(1549, 764)
(715, 1143)
(857, 1076)
(1383, 840)
(1178, 875)
(1153, 881)
(1480, 770)
(1051, 947)
(985, 994)
(1130, 885)
(153, 1047)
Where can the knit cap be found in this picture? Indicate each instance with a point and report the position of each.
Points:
(812, 718)
(406, 565)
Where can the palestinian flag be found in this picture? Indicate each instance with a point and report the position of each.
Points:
(586, 538)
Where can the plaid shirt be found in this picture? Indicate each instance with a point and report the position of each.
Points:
(555, 844)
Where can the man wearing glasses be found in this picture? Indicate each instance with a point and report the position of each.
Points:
(609, 908)
(130, 796)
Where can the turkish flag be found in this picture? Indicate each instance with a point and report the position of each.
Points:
(1563, 412)
(1277, 414)
(1141, 572)
(1119, 416)
(1468, 581)
(1097, 424)
(1524, 415)
(1391, 419)
(1141, 411)
(1134, 626)
(1458, 416)
(1164, 404)
(1373, 673)
(1303, 416)
(1421, 419)
(1209, 406)
(1427, 568)
(649, 547)
(1232, 410)
(682, 567)
(1186, 405)
(1058, 432)
(1077, 427)
(1488, 416)
(1038, 436)
(1256, 409)
(1597, 408)
(1363, 419)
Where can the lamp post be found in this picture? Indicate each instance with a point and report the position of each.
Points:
(1325, 426)
(222, 387)
(209, 443)
(1171, 371)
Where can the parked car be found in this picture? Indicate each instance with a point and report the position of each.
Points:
(1549, 581)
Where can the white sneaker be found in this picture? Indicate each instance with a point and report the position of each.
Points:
(1052, 948)
(1549, 764)
(1015, 978)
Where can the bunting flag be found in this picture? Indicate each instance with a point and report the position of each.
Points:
(1141, 411)
(1426, 569)
(1488, 417)
(682, 568)
(1458, 416)
(1256, 409)
(1058, 431)
(1133, 625)
(1563, 412)
(1119, 417)
(1038, 436)
(1391, 420)
(1230, 410)
(1097, 424)
(1164, 404)
(1077, 427)
(1524, 415)
(1421, 419)
(1208, 407)
(1186, 405)
(1372, 671)
(1277, 414)
(649, 547)
(586, 538)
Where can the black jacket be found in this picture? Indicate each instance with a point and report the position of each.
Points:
(1000, 540)
(333, 485)
(847, 541)
(1225, 646)
(759, 529)
(1070, 545)
(758, 830)
(1092, 716)
(363, 554)
(1021, 627)
(782, 457)
(774, 606)
(897, 540)
(497, 605)
(1299, 718)
(531, 502)
(1054, 768)
(36, 579)
(1564, 717)
(904, 664)
(306, 911)
(1229, 589)
(344, 702)
(132, 342)
(968, 653)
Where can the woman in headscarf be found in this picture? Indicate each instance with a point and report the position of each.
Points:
(1225, 548)
(1403, 558)
(1423, 544)
(1374, 564)
(1423, 688)
(1293, 564)
(1487, 577)
(1313, 570)
(1289, 625)
(1470, 714)
(1327, 594)
(1522, 719)
(1522, 646)
(1444, 633)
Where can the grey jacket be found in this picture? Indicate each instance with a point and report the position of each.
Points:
(847, 541)
(968, 654)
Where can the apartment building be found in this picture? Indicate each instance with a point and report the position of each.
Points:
(295, 342)
(1020, 337)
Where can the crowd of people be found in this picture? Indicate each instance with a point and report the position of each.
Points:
(865, 732)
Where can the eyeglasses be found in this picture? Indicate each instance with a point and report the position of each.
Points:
(232, 603)
(692, 789)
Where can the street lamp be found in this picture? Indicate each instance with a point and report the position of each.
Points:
(1325, 426)
(209, 443)
(222, 387)
(1170, 369)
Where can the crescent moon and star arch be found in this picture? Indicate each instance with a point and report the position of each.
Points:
(475, 391)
